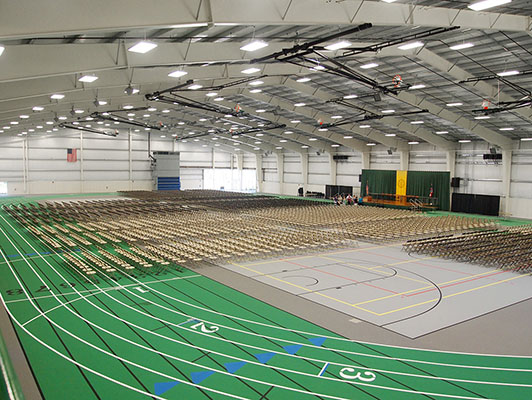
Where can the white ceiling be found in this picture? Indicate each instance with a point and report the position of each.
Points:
(47, 49)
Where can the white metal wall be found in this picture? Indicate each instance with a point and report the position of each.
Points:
(37, 164)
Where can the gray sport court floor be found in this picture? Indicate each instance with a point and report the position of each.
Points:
(412, 295)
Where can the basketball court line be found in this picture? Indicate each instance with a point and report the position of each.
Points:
(292, 389)
(219, 371)
(349, 340)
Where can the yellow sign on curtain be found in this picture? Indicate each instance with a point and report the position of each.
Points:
(400, 184)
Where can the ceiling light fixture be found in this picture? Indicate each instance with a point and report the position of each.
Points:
(506, 129)
(250, 70)
(102, 102)
(387, 111)
(2, 48)
(350, 96)
(527, 139)
(417, 122)
(299, 105)
(38, 108)
(461, 46)
(338, 45)
(142, 47)
(390, 134)
(336, 117)
(295, 121)
(371, 144)
(335, 145)
(418, 86)
(413, 142)
(484, 5)
(464, 141)
(483, 117)
(509, 73)
(255, 91)
(194, 87)
(441, 132)
(88, 78)
(365, 126)
(254, 45)
(57, 96)
(410, 46)
(256, 83)
(177, 74)
(454, 104)
(303, 80)
(24, 116)
(370, 65)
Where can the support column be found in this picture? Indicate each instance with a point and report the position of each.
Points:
(81, 163)
(451, 162)
(333, 168)
(280, 170)
(130, 150)
(240, 161)
(365, 160)
(304, 171)
(258, 157)
(506, 178)
(25, 164)
(404, 160)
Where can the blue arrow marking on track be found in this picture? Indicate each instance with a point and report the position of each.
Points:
(317, 341)
(292, 349)
(264, 357)
(163, 387)
(200, 376)
(234, 366)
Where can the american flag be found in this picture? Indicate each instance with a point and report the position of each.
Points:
(72, 155)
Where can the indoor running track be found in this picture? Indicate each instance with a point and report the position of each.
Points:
(180, 335)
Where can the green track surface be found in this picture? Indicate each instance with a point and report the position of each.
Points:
(170, 333)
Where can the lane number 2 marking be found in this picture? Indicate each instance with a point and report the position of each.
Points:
(204, 328)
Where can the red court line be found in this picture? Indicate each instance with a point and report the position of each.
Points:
(419, 263)
(456, 283)
(339, 276)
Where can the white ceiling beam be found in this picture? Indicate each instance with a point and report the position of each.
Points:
(301, 139)
(32, 62)
(422, 133)
(489, 91)
(470, 125)
(29, 18)
(349, 128)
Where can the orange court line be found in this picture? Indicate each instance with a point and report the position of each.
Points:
(415, 290)
(456, 283)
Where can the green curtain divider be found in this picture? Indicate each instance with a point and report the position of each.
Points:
(9, 384)
(418, 183)
(378, 181)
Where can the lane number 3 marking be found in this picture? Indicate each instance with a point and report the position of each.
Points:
(365, 376)
(204, 328)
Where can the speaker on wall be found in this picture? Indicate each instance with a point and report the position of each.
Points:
(360, 177)
(455, 182)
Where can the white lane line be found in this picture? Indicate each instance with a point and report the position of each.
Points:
(292, 342)
(146, 348)
(54, 308)
(266, 350)
(345, 339)
(107, 288)
(296, 372)
(72, 360)
(187, 362)
(386, 388)
(94, 346)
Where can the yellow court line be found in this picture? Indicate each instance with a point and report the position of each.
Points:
(425, 287)
(303, 288)
(372, 268)
(454, 294)
(318, 255)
